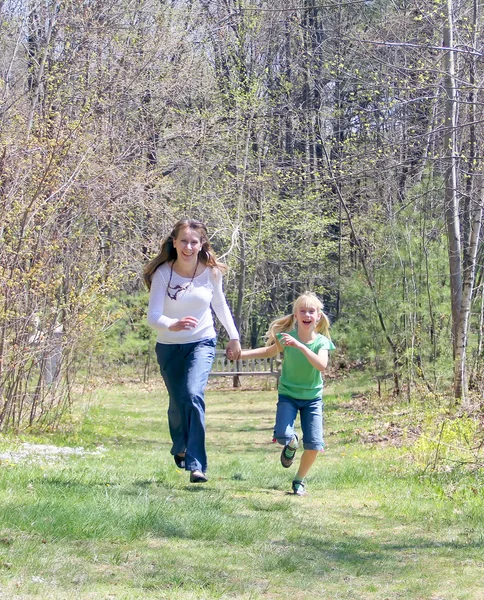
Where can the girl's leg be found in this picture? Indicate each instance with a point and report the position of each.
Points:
(307, 460)
(286, 414)
(311, 412)
(312, 426)
(284, 429)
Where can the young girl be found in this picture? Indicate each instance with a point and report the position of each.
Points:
(303, 337)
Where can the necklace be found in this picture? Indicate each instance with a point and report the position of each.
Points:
(177, 289)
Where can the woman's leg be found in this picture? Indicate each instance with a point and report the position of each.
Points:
(172, 369)
(185, 369)
(199, 361)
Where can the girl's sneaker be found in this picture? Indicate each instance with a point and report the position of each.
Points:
(289, 452)
(298, 488)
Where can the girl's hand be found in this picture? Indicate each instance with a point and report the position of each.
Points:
(184, 324)
(288, 340)
(233, 350)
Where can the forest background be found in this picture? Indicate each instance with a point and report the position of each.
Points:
(328, 145)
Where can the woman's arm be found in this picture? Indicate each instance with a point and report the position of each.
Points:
(156, 318)
(156, 306)
(222, 310)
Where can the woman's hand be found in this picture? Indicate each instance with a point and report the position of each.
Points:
(233, 350)
(184, 324)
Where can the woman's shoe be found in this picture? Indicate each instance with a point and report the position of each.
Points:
(198, 477)
(179, 460)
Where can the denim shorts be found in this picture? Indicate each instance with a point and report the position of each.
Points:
(311, 415)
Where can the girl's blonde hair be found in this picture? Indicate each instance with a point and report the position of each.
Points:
(288, 323)
(168, 251)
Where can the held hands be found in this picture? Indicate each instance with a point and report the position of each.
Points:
(233, 350)
(184, 324)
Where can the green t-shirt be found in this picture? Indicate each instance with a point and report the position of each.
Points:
(299, 379)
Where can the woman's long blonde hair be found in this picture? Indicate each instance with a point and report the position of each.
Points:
(168, 252)
(288, 322)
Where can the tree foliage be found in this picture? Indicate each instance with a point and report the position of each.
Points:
(325, 146)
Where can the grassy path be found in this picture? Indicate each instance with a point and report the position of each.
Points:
(117, 520)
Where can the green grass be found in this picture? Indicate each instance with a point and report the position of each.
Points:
(120, 521)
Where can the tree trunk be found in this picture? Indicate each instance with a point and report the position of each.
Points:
(452, 206)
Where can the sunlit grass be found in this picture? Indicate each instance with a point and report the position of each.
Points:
(119, 520)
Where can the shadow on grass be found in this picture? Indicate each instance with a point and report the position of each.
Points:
(278, 543)
(76, 508)
(239, 411)
(243, 411)
(354, 546)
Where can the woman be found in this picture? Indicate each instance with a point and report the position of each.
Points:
(185, 280)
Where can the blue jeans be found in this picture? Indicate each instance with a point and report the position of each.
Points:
(185, 369)
(311, 413)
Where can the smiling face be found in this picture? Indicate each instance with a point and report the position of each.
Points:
(307, 316)
(187, 244)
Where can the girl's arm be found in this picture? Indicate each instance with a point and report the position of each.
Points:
(318, 361)
(263, 352)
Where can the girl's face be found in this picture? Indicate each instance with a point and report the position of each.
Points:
(307, 317)
(187, 244)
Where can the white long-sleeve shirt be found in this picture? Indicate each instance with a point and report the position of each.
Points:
(195, 301)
